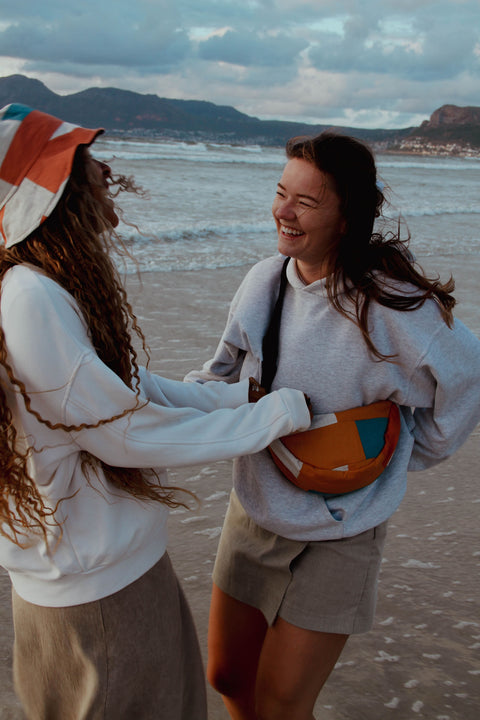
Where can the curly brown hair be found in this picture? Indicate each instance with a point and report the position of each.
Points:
(73, 246)
(366, 262)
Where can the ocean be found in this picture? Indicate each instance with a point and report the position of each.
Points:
(208, 205)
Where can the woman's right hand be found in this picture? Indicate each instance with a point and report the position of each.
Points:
(255, 391)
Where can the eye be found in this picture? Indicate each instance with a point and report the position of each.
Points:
(280, 194)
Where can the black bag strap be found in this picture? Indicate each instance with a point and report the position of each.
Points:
(271, 337)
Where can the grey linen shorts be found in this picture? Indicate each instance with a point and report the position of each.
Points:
(327, 586)
(133, 654)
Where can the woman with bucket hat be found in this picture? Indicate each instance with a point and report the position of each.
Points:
(102, 629)
(344, 314)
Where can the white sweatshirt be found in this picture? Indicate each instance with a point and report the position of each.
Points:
(108, 538)
(435, 380)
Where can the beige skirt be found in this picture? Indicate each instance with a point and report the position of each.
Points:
(327, 586)
(131, 655)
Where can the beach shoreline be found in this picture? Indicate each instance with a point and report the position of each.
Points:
(421, 658)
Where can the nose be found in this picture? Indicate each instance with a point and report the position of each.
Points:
(283, 208)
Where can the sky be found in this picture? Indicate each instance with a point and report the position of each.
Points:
(357, 63)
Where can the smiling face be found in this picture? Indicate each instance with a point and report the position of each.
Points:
(98, 174)
(307, 214)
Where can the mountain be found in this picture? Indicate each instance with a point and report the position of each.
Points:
(123, 111)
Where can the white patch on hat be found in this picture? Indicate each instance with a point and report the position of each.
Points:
(64, 129)
(6, 189)
(8, 128)
(38, 200)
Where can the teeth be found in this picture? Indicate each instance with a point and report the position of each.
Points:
(291, 231)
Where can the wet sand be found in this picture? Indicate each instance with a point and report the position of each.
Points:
(422, 659)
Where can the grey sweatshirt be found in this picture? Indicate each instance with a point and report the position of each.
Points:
(435, 380)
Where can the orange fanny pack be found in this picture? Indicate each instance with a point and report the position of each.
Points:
(342, 451)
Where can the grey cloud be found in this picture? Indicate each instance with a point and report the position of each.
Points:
(442, 53)
(119, 45)
(250, 49)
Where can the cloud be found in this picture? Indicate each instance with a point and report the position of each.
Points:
(121, 39)
(252, 49)
(374, 62)
(424, 50)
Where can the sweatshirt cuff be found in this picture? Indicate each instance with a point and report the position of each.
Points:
(240, 392)
(296, 403)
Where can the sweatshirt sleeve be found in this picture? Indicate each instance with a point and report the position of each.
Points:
(51, 353)
(227, 361)
(174, 393)
(248, 319)
(154, 435)
(451, 366)
(225, 365)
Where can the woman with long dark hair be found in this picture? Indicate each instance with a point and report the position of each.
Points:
(102, 628)
(344, 314)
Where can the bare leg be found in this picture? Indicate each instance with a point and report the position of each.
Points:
(266, 673)
(294, 665)
(235, 638)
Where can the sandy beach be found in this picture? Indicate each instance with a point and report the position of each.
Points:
(422, 659)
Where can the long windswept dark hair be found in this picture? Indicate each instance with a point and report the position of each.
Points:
(72, 246)
(366, 261)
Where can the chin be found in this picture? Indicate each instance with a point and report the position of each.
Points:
(110, 215)
(283, 249)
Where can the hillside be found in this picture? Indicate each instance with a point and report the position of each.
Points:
(124, 111)
(450, 129)
(450, 124)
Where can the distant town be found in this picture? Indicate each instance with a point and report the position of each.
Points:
(451, 130)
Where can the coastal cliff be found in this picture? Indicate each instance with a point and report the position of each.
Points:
(451, 130)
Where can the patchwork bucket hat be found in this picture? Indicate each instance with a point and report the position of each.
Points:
(36, 159)
(340, 452)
